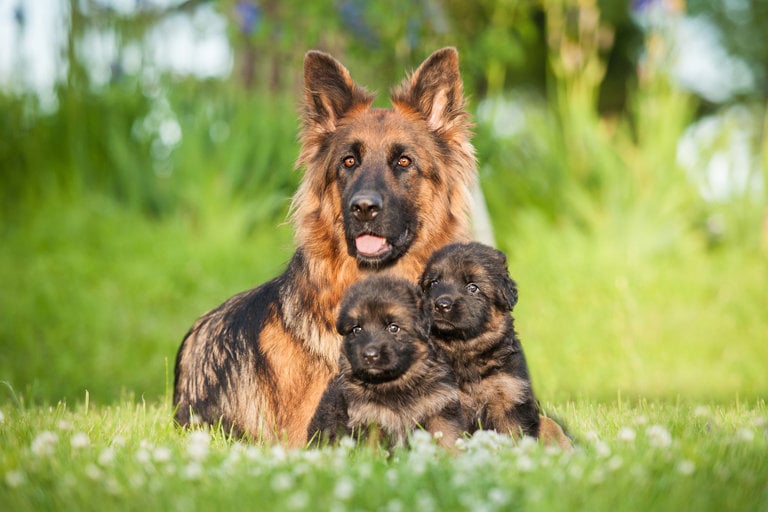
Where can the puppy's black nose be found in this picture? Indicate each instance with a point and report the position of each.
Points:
(443, 304)
(371, 355)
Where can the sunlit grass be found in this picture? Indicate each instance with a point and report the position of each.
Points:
(629, 456)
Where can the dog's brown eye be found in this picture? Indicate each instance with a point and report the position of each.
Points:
(349, 162)
(404, 161)
(357, 329)
(393, 328)
(472, 288)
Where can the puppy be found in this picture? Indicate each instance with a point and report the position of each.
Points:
(391, 377)
(469, 291)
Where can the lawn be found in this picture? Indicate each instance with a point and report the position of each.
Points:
(653, 357)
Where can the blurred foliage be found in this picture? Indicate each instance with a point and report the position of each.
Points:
(138, 198)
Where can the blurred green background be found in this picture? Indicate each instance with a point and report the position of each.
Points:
(147, 156)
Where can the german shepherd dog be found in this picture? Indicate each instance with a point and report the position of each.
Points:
(470, 292)
(471, 295)
(391, 377)
(382, 189)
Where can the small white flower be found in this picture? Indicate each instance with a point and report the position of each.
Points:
(602, 450)
(592, 436)
(64, 425)
(2, 418)
(198, 444)
(298, 501)
(15, 478)
(118, 441)
(107, 456)
(79, 441)
(745, 434)
(525, 464)
(758, 421)
(282, 482)
(344, 488)
(658, 436)
(93, 472)
(142, 456)
(641, 420)
(627, 434)
(702, 411)
(686, 467)
(44, 444)
(499, 497)
(161, 454)
(193, 471)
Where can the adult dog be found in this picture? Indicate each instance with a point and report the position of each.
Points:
(391, 376)
(382, 189)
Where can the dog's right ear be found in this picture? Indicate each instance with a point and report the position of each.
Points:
(329, 92)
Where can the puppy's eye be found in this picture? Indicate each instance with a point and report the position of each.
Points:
(472, 288)
(404, 162)
(356, 329)
(393, 328)
(349, 162)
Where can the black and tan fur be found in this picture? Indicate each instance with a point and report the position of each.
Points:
(382, 189)
(470, 293)
(391, 377)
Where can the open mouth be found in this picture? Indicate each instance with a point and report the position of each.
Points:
(372, 246)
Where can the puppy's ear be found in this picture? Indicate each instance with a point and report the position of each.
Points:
(507, 292)
(507, 289)
(329, 93)
(423, 316)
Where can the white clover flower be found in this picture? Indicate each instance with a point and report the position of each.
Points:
(686, 467)
(592, 436)
(602, 450)
(193, 471)
(425, 502)
(93, 472)
(79, 441)
(525, 464)
(142, 456)
(745, 434)
(627, 434)
(161, 454)
(498, 497)
(758, 421)
(44, 444)
(344, 488)
(198, 444)
(281, 482)
(658, 436)
(347, 443)
(641, 420)
(107, 456)
(118, 441)
(702, 411)
(615, 463)
(298, 501)
(64, 425)
(15, 478)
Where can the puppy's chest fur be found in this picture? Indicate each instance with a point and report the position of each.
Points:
(485, 367)
(398, 409)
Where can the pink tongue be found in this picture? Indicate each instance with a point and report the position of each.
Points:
(369, 245)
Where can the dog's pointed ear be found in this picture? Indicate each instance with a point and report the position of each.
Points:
(508, 290)
(435, 92)
(329, 92)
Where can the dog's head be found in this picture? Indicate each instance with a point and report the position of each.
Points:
(375, 171)
(385, 328)
(464, 285)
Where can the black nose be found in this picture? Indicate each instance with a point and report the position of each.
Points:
(443, 304)
(371, 355)
(365, 205)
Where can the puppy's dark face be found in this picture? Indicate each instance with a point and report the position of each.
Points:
(464, 285)
(385, 328)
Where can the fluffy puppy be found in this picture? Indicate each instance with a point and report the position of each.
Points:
(469, 292)
(391, 377)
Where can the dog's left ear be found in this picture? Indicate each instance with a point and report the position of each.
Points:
(424, 316)
(508, 292)
(435, 92)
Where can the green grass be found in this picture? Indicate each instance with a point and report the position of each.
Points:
(631, 456)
